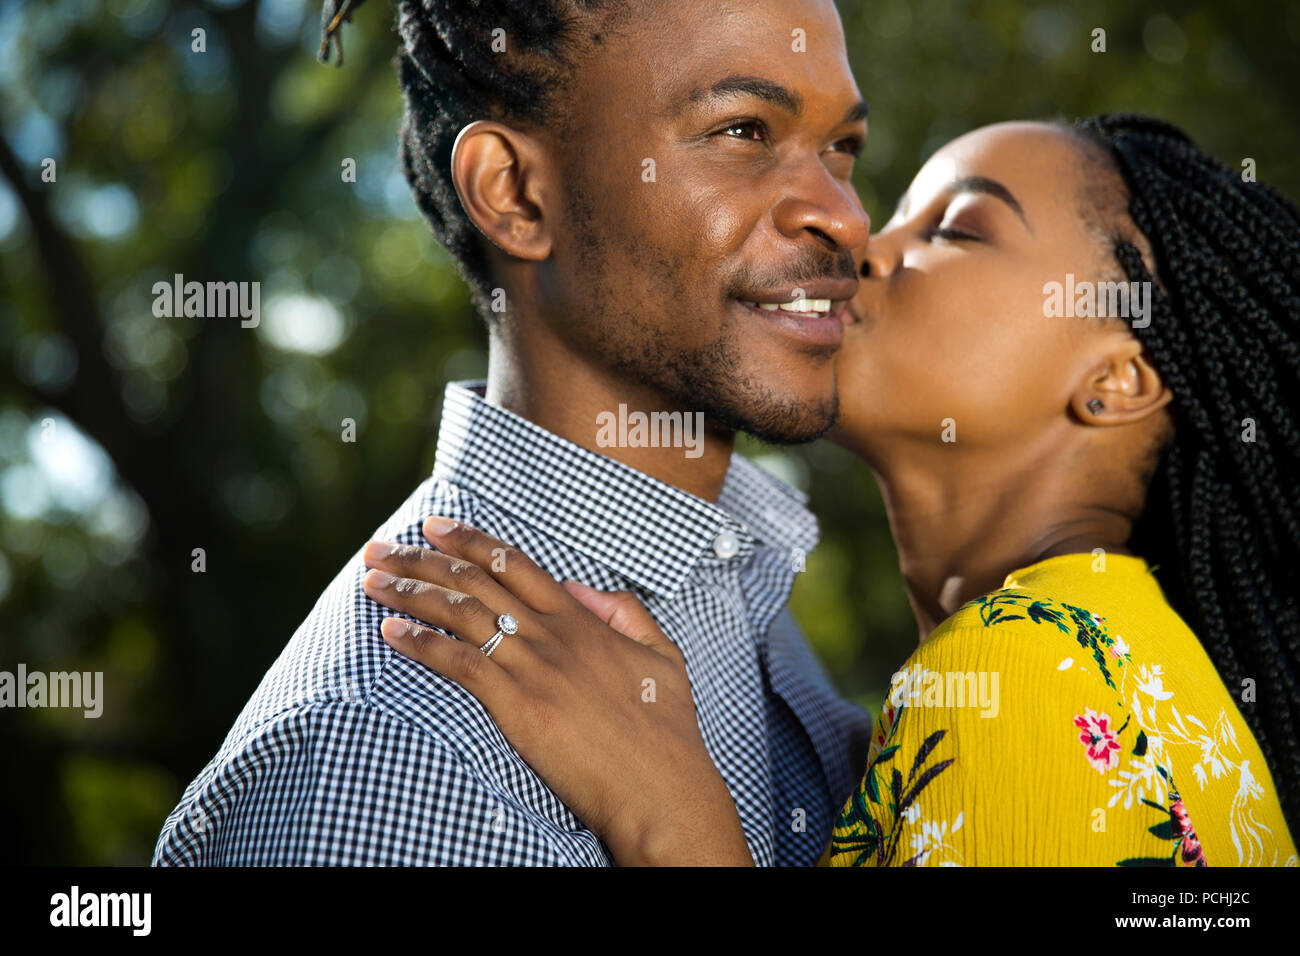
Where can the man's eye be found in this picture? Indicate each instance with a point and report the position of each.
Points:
(748, 129)
(852, 145)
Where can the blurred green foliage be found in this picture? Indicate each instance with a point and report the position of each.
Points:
(126, 440)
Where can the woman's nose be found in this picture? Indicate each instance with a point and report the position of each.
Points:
(879, 258)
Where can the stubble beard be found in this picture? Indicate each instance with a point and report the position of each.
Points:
(707, 378)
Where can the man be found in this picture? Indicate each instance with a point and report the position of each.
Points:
(651, 204)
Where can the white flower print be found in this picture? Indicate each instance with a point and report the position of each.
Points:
(1151, 682)
(1142, 781)
(1242, 818)
(933, 837)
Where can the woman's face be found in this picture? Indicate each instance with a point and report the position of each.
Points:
(950, 331)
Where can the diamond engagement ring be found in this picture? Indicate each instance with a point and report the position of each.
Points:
(505, 625)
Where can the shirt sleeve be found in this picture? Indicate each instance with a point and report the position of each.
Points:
(342, 783)
(998, 747)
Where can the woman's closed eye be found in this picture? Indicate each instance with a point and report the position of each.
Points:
(952, 234)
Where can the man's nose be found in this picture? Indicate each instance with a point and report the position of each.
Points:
(828, 209)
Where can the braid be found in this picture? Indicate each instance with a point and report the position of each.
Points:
(450, 75)
(1221, 518)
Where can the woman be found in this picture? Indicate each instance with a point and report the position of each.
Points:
(1046, 446)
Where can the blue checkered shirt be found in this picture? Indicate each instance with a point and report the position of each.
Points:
(348, 753)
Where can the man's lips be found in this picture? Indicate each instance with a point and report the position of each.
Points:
(816, 327)
(813, 312)
(836, 291)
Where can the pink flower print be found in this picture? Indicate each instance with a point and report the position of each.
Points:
(1099, 742)
(1192, 853)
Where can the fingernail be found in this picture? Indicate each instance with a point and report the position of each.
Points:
(379, 579)
(379, 550)
(440, 526)
(394, 628)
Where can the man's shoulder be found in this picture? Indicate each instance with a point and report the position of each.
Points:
(336, 654)
(347, 783)
(339, 711)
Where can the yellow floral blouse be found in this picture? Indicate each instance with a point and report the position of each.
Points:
(1070, 718)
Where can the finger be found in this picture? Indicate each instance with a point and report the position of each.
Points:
(445, 570)
(461, 614)
(469, 667)
(513, 569)
(624, 613)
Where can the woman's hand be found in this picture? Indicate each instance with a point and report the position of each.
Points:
(588, 690)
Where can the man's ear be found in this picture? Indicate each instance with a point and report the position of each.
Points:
(1123, 387)
(500, 177)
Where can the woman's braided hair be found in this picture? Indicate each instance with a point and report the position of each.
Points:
(1221, 520)
(452, 70)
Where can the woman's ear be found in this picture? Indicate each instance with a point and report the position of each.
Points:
(500, 177)
(1122, 388)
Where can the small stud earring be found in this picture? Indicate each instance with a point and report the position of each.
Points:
(1096, 406)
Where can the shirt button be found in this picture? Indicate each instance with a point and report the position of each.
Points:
(726, 544)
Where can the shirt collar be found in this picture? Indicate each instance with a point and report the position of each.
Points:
(648, 531)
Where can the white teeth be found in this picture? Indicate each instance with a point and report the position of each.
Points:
(798, 305)
(807, 305)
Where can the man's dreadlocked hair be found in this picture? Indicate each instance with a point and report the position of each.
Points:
(1221, 518)
(451, 75)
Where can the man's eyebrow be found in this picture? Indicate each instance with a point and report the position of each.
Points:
(857, 112)
(756, 86)
(989, 187)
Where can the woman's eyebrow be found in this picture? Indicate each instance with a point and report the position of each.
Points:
(989, 187)
(974, 184)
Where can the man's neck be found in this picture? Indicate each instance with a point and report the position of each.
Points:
(580, 402)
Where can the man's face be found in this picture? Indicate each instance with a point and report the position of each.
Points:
(707, 175)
